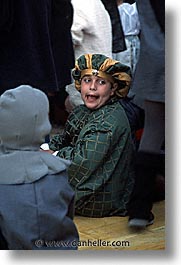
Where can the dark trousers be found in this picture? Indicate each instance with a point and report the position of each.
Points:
(3, 243)
(147, 167)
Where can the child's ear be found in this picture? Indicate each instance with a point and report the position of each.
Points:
(114, 88)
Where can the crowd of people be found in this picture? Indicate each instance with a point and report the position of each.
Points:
(98, 70)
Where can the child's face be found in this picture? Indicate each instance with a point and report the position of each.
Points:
(95, 91)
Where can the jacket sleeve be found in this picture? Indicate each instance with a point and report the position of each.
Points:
(65, 143)
(88, 154)
(67, 138)
(58, 142)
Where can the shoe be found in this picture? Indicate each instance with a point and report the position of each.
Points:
(139, 223)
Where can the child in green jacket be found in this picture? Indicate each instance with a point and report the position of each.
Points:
(97, 138)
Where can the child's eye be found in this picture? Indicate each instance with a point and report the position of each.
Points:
(86, 79)
(102, 82)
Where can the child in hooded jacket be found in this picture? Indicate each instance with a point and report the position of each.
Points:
(36, 200)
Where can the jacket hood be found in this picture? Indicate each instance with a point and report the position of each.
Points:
(24, 123)
(24, 120)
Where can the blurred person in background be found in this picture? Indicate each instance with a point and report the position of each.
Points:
(91, 33)
(118, 40)
(131, 28)
(37, 49)
(148, 90)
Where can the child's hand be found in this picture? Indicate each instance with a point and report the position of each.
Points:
(45, 148)
(47, 151)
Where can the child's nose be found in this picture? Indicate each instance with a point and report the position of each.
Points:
(93, 85)
(93, 88)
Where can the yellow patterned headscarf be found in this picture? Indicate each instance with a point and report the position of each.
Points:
(105, 67)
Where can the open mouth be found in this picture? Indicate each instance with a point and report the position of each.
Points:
(92, 97)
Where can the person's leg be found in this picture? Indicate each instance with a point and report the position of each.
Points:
(148, 162)
(3, 243)
(154, 127)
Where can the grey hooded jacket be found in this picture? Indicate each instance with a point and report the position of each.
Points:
(36, 201)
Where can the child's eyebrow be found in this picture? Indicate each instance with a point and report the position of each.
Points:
(98, 77)
(86, 76)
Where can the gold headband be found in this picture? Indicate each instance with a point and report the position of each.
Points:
(97, 73)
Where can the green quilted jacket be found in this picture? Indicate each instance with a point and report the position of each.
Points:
(98, 142)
